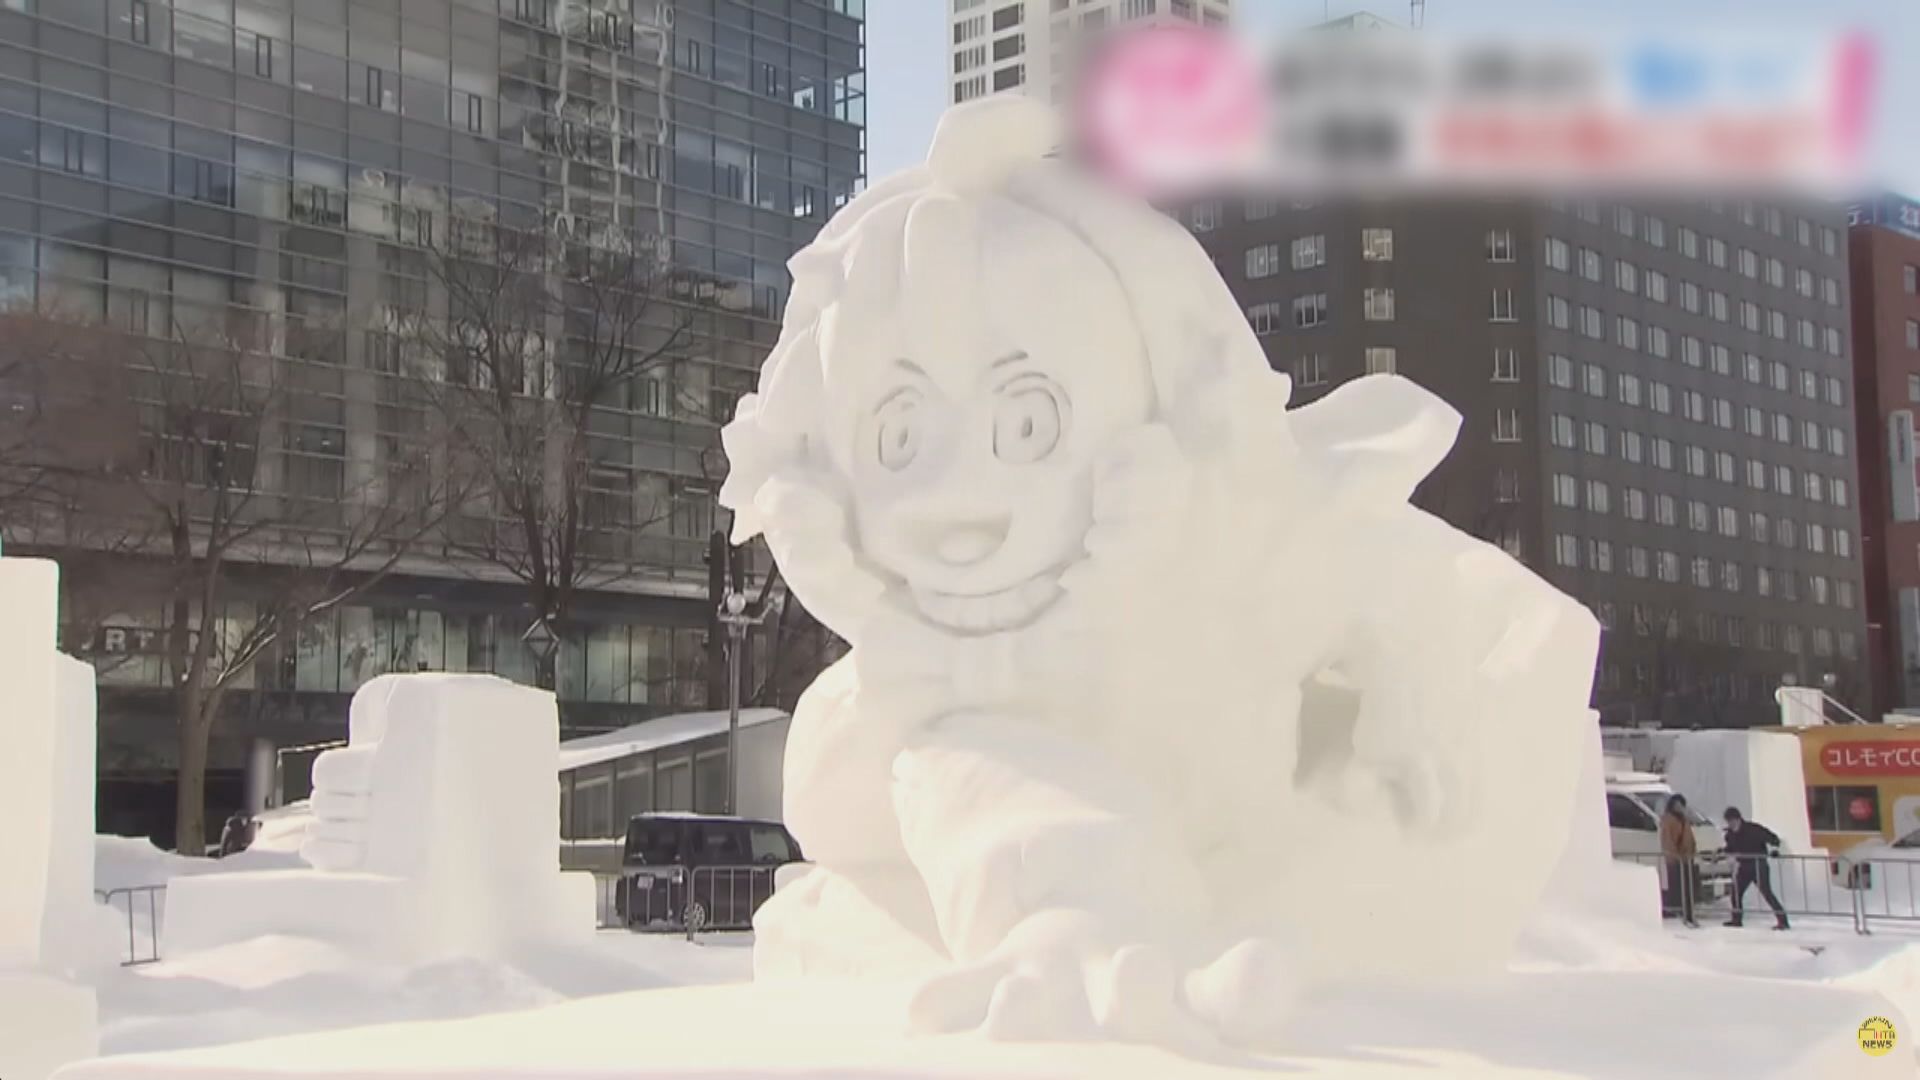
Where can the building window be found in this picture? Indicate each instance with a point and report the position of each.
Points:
(1656, 286)
(1381, 361)
(1206, 215)
(1009, 77)
(1378, 305)
(1310, 251)
(1562, 434)
(1688, 242)
(1376, 245)
(1593, 379)
(1506, 366)
(1628, 332)
(1312, 370)
(138, 24)
(1592, 323)
(1560, 372)
(1665, 511)
(1599, 497)
(1558, 256)
(1913, 333)
(1008, 17)
(1590, 264)
(1260, 209)
(1264, 318)
(1566, 549)
(1631, 446)
(1310, 310)
(1566, 490)
(1263, 261)
(1630, 390)
(1910, 279)
(1626, 276)
(1009, 47)
(1559, 312)
(1506, 425)
(1500, 245)
(1506, 486)
(1656, 231)
(1503, 306)
(1596, 438)
(1600, 556)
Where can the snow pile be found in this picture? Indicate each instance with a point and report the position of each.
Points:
(51, 931)
(433, 834)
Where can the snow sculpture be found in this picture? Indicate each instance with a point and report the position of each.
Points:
(50, 927)
(434, 833)
(1164, 704)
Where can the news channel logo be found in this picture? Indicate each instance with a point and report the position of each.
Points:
(1173, 108)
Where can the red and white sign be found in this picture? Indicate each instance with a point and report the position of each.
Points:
(1871, 758)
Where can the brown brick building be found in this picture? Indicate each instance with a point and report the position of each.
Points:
(1883, 262)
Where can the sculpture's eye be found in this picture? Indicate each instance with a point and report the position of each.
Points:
(897, 437)
(1027, 421)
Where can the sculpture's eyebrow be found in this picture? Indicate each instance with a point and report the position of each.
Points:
(913, 370)
(1014, 357)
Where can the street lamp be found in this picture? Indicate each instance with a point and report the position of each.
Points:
(734, 615)
(541, 641)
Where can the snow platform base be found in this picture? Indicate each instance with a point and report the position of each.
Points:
(1636, 1026)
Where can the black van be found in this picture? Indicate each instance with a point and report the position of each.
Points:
(710, 872)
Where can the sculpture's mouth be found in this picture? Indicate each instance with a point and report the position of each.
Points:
(981, 613)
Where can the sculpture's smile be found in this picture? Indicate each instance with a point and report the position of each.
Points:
(1006, 609)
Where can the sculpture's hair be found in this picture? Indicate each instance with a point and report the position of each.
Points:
(999, 147)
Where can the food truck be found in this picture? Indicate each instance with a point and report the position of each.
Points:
(1863, 782)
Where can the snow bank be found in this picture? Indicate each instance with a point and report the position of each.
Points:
(433, 834)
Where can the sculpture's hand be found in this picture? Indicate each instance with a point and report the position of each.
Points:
(1060, 975)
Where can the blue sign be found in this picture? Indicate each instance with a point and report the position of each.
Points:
(1889, 211)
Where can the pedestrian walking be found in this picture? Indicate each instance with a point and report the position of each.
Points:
(1680, 849)
(1750, 843)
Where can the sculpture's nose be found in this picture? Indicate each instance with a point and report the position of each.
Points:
(967, 541)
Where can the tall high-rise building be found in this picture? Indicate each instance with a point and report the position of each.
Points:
(1884, 262)
(1657, 409)
(292, 167)
(1028, 46)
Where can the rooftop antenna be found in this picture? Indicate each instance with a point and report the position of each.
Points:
(1418, 16)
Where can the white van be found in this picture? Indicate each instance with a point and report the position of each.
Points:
(1635, 802)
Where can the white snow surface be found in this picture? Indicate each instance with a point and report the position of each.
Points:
(654, 734)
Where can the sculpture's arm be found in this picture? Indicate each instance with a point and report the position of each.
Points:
(1451, 636)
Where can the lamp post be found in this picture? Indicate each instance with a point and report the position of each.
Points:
(541, 641)
(735, 616)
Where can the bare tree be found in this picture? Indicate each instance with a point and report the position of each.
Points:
(202, 505)
(528, 353)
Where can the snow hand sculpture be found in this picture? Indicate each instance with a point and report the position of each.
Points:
(1164, 704)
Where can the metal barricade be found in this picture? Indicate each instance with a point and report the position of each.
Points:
(1887, 890)
(139, 900)
(673, 899)
(1806, 886)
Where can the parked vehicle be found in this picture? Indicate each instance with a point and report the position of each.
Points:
(712, 871)
(1635, 802)
(1895, 863)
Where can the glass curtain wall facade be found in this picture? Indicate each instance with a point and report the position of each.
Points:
(278, 171)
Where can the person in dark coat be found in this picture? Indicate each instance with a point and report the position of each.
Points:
(237, 836)
(1750, 843)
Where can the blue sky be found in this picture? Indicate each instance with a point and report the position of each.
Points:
(907, 53)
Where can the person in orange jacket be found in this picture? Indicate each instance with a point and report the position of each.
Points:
(1679, 847)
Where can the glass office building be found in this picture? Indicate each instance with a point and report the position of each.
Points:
(277, 171)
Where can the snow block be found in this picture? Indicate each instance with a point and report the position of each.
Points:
(1760, 772)
(44, 1024)
(435, 834)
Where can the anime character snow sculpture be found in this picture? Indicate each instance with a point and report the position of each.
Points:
(1163, 702)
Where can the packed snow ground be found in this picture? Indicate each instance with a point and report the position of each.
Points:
(1652, 1000)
